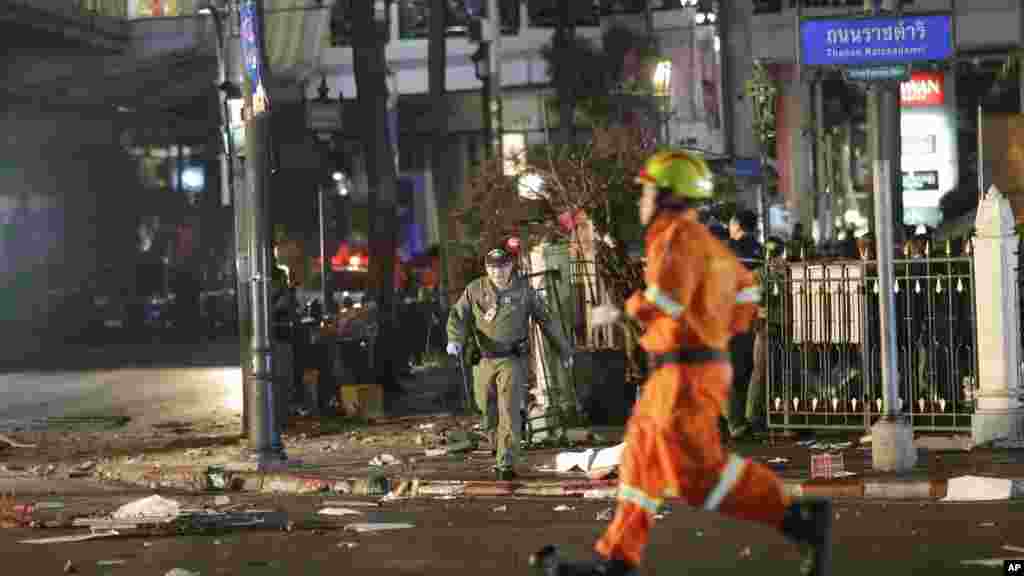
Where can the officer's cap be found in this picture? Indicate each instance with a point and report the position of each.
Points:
(498, 257)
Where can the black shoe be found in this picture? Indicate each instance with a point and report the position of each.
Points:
(546, 562)
(809, 523)
(505, 474)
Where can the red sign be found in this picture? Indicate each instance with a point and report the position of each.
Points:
(923, 89)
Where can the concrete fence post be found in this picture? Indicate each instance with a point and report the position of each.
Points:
(998, 410)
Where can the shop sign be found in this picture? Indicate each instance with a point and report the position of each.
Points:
(921, 181)
(923, 89)
(875, 40)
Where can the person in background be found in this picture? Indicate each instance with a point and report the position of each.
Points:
(495, 312)
(742, 411)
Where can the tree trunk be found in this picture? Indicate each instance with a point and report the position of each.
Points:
(370, 70)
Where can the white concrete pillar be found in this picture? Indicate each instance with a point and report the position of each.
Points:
(998, 411)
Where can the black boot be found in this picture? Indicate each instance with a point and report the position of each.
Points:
(546, 562)
(809, 523)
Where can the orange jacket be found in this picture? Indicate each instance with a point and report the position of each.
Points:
(698, 293)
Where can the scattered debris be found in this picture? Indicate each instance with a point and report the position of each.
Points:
(14, 443)
(180, 572)
(377, 527)
(69, 567)
(699, 532)
(216, 478)
(595, 463)
(354, 503)
(978, 488)
(986, 562)
(430, 426)
(605, 515)
(108, 563)
(778, 460)
(563, 508)
(746, 552)
(826, 466)
(154, 506)
(986, 525)
(502, 508)
(384, 460)
(1010, 548)
(71, 538)
(348, 545)
(339, 512)
(135, 459)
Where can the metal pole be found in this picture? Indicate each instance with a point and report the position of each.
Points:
(325, 267)
(884, 115)
(494, 61)
(264, 440)
(981, 150)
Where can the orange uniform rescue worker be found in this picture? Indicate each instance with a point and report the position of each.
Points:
(698, 296)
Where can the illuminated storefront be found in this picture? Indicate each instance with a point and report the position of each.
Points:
(929, 146)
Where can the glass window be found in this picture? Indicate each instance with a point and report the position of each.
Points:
(341, 23)
(544, 13)
(414, 17)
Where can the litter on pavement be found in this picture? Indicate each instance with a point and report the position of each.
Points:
(502, 508)
(595, 463)
(339, 512)
(107, 563)
(152, 507)
(71, 538)
(563, 508)
(180, 572)
(977, 488)
(778, 460)
(377, 527)
(353, 503)
(384, 460)
(605, 515)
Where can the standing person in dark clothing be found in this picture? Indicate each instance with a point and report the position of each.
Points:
(743, 410)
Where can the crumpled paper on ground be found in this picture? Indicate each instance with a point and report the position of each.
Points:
(154, 506)
(978, 488)
(596, 464)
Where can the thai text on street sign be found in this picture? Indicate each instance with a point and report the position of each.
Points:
(878, 73)
(252, 55)
(876, 40)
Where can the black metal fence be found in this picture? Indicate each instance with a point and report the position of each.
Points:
(822, 330)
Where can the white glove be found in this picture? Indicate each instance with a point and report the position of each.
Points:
(454, 349)
(604, 315)
(567, 362)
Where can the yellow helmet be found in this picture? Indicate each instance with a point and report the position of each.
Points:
(686, 174)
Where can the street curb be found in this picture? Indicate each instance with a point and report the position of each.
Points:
(194, 479)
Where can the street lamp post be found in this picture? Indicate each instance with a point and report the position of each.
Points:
(324, 118)
(231, 103)
(662, 90)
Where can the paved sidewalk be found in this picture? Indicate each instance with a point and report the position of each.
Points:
(343, 465)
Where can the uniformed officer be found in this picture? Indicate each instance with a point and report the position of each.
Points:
(495, 310)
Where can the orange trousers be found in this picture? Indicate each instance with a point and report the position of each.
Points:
(673, 449)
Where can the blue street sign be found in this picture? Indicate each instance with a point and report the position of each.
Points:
(876, 40)
(748, 167)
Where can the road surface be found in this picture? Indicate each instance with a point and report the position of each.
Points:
(466, 536)
(149, 383)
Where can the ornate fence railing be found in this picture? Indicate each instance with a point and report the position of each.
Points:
(822, 330)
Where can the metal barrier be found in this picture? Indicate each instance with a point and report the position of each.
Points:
(823, 365)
